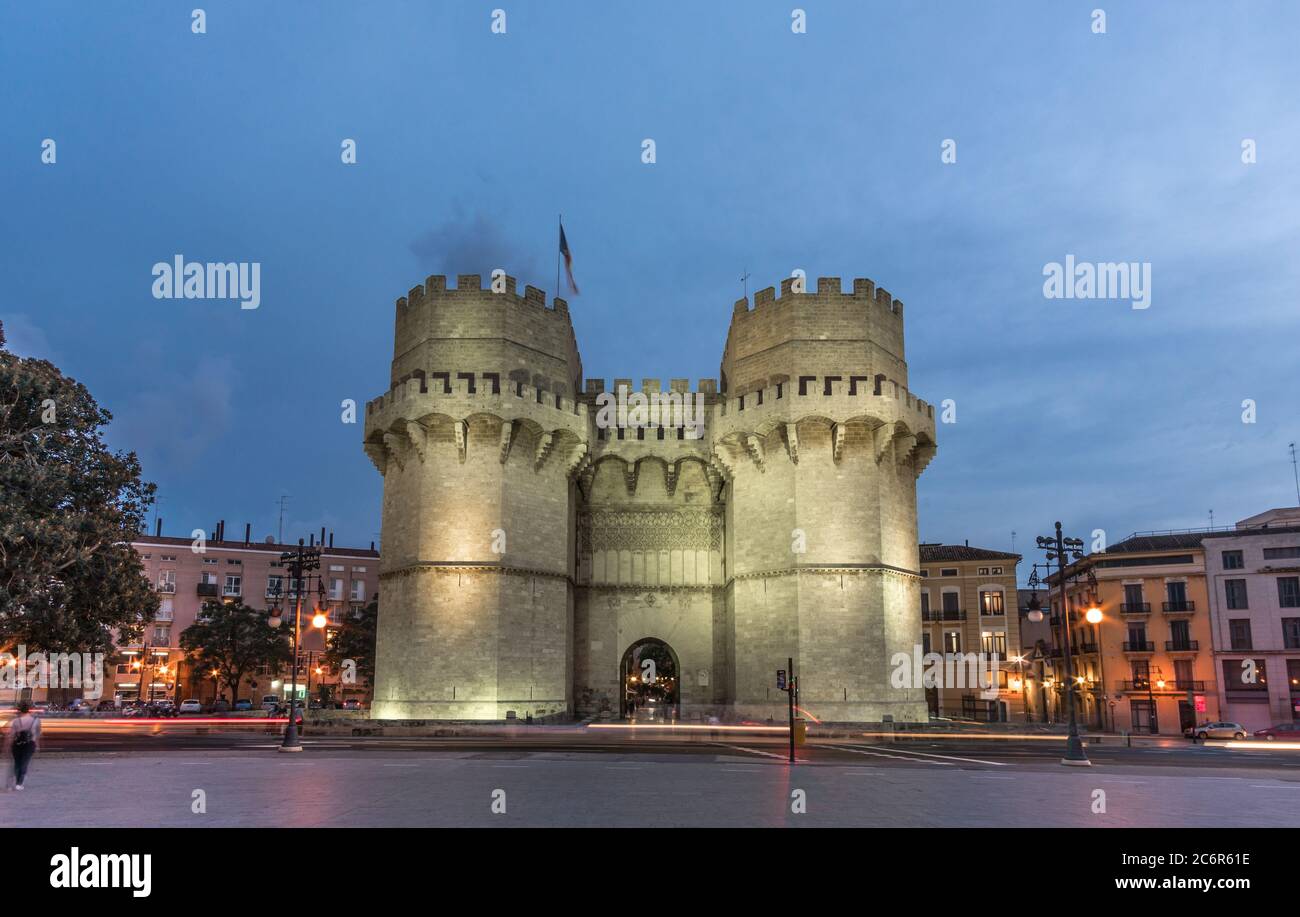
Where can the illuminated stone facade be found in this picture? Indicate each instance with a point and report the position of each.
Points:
(529, 545)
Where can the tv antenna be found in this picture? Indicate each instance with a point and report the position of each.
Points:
(283, 501)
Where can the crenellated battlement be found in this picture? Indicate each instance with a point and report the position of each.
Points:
(706, 387)
(470, 286)
(836, 396)
(459, 386)
(829, 289)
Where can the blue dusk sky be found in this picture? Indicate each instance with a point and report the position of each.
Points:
(775, 151)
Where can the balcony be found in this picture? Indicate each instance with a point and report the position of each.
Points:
(943, 614)
(1086, 648)
(1135, 608)
(206, 589)
(1142, 686)
(1182, 646)
(1178, 608)
(1139, 646)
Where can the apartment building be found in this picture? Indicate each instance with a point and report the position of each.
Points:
(239, 571)
(968, 605)
(1148, 664)
(1254, 576)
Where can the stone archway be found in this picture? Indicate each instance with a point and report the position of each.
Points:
(650, 681)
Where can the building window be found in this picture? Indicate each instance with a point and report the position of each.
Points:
(167, 581)
(1239, 633)
(1288, 591)
(1233, 560)
(948, 571)
(336, 589)
(166, 610)
(925, 643)
(994, 641)
(1245, 676)
(984, 571)
(991, 603)
(1235, 590)
(997, 571)
(1291, 633)
(1143, 714)
(358, 590)
(925, 605)
(209, 561)
(952, 641)
(1281, 553)
(274, 586)
(925, 573)
(233, 582)
(161, 635)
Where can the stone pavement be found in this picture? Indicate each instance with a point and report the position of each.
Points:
(323, 788)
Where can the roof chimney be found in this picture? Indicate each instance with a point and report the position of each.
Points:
(248, 532)
(157, 529)
(331, 539)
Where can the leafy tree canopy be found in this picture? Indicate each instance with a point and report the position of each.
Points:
(69, 508)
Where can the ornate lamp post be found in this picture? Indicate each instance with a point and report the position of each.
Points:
(298, 562)
(1056, 548)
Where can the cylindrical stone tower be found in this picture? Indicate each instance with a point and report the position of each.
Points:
(477, 438)
(821, 443)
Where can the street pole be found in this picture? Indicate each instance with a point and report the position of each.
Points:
(789, 690)
(297, 569)
(1074, 753)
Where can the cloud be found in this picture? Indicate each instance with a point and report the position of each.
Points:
(24, 338)
(172, 424)
(473, 244)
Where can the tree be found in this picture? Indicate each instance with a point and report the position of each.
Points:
(355, 641)
(69, 509)
(234, 640)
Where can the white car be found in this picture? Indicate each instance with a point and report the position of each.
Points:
(1219, 731)
(191, 706)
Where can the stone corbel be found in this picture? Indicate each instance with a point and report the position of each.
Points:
(630, 472)
(543, 450)
(837, 440)
(882, 437)
(378, 455)
(670, 478)
(755, 447)
(792, 442)
(722, 462)
(461, 429)
(397, 446)
(507, 436)
(903, 447)
(578, 459)
(419, 436)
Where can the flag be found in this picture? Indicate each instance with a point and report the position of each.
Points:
(568, 260)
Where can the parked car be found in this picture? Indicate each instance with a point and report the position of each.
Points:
(1218, 731)
(243, 703)
(191, 706)
(352, 703)
(221, 705)
(1286, 731)
(270, 702)
(105, 705)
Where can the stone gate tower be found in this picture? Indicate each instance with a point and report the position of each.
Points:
(530, 551)
(474, 439)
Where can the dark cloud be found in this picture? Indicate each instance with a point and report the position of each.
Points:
(474, 243)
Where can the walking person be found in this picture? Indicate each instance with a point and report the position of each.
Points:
(21, 740)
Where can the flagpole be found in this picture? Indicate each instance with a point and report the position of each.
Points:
(557, 259)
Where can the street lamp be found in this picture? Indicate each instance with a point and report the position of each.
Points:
(1057, 547)
(298, 562)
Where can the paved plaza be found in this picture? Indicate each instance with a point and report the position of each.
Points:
(330, 785)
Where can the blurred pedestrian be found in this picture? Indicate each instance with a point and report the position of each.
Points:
(22, 738)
